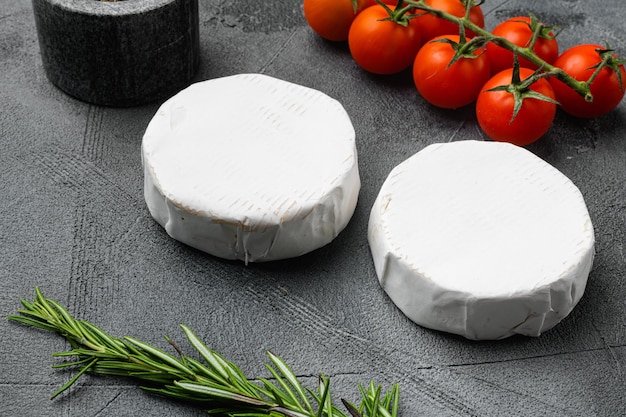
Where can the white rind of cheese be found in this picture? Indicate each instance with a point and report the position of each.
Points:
(251, 167)
(481, 239)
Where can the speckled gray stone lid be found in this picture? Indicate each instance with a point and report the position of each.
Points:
(120, 7)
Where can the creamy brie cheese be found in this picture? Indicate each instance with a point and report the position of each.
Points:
(251, 167)
(481, 239)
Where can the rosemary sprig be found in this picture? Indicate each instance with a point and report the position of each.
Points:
(217, 385)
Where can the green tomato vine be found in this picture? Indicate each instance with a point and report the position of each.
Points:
(539, 30)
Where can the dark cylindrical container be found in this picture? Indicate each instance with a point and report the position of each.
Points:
(121, 53)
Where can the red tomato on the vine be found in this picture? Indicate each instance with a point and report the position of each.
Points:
(431, 26)
(383, 46)
(331, 19)
(518, 31)
(449, 86)
(494, 110)
(607, 89)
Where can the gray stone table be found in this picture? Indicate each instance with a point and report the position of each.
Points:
(73, 221)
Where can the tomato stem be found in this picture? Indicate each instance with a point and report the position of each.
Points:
(580, 87)
(608, 60)
(464, 48)
(537, 28)
(520, 89)
(468, 8)
(355, 5)
(398, 15)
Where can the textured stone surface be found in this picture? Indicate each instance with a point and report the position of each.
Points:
(118, 53)
(73, 220)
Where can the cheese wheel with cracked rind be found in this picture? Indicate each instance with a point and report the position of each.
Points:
(481, 239)
(251, 167)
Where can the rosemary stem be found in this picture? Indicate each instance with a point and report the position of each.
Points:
(219, 383)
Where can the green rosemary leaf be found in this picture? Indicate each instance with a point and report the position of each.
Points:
(102, 338)
(178, 393)
(324, 400)
(33, 313)
(364, 399)
(203, 370)
(231, 374)
(151, 377)
(156, 366)
(262, 391)
(171, 392)
(85, 352)
(123, 366)
(242, 412)
(211, 392)
(336, 412)
(81, 352)
(65, 318)
(129, 348)
(395, 405)
(241, 381)
(373, 406)
(209, 356)
(376, 394)
(71, 364)
(385, 403)
(275, 393)
(289, 397)
(27, 304)
(73, 379)
(118, 368)
(43, 307)
(293, 380)
(282, 411)
(160, 355)
(235, 376)
(33, 322)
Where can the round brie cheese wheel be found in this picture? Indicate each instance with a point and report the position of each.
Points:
(481, 239)
(251, 167)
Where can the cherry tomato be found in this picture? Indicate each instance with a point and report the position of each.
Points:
(382, 46)
(451, 86)
(494, 110)
(431, 26)
(606, 88)
(518, 31)
(331, 19)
